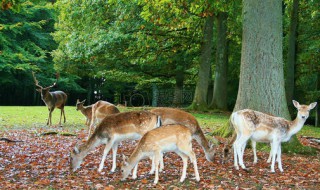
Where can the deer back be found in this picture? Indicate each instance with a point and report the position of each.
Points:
(138, 122)
(176, 116)
(102, 108)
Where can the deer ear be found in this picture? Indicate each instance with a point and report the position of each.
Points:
(296, 104)
(312, 105)
(83, 101)
(78, 101)
(38, 90)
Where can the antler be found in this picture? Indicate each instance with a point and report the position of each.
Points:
(36, 81)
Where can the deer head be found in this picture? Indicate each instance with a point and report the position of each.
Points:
(44, 91)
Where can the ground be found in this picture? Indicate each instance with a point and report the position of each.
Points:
(42, 162)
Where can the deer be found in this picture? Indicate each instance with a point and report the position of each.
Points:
(99, 110)
(177, 116)
(55, 99)
(85, 110)
(168, 138)
(111, 131)
(261, 127)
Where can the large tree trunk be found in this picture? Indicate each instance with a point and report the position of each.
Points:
(261, 85)
(200, 96)
(219, 100)
(292, 52)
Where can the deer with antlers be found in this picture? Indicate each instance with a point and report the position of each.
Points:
(261, 127)
(55, 99)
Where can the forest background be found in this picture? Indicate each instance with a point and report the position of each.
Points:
(112, 49)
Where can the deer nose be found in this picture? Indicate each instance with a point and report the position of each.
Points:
(303, 117)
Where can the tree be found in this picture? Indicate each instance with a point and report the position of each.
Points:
(219, 99)
(261, 85)
(201, 92)
(291, 60)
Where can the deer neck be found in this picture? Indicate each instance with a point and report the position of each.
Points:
(296, 125)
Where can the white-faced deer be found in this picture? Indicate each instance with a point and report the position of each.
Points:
(261, 127)
(99, 111)
(169, 138)
(85, 110)
(55, 99)
(111, 131)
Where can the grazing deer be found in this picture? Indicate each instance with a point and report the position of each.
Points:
(99, 110)
(111, 131)
(55, 99)
(261, 127)
(176, 116)
(85, 110)
(169, 138)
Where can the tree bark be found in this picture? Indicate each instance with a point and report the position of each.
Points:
(261, 85)
(292, 52)
(219, 100)
(200, 96)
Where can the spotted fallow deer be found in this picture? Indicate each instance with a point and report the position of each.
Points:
(55, 99)
(169, 138)
(176, 116)
(99, 111)
(261, 127)
(111, 131)
(85, 110)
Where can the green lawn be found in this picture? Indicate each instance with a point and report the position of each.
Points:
(35, 117)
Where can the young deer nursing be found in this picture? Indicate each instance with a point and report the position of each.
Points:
(56, 99)
(111, 131)
(261, 127)
(85, 110)
(169, 138)
(99, 110)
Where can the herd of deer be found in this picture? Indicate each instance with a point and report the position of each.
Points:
(163, 130)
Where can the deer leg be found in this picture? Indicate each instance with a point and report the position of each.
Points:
(114, 156)
(49, 123)
(241, 144)
(105, 153)
(152, 165)
(156, 160)
(270, 155)
(279, 158)
(274, 149)
(254, 144)
(161, 162)
(64, 115)
(187, 151)
(185, 165)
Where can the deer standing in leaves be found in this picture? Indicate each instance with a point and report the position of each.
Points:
(261, 127)
(168, 138)
(55, 99)
(111, 131)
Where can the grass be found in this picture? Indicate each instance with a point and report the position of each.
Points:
(35, 117)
